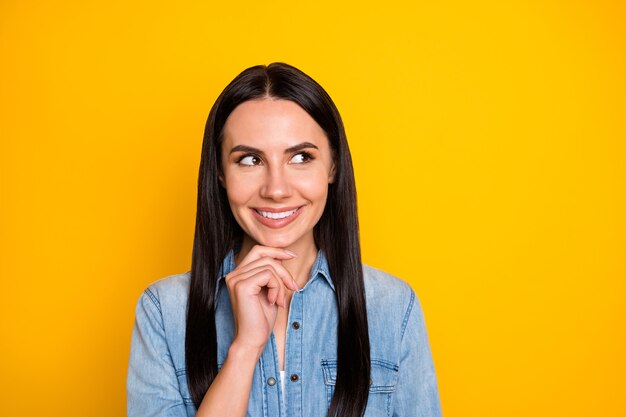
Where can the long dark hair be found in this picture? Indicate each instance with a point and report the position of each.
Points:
(217, 232)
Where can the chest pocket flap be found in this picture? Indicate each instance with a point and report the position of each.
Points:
(384, 375)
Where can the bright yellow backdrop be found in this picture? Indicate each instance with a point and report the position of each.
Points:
(489, 144)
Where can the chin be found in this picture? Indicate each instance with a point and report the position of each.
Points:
(276, 242)
(278, 239)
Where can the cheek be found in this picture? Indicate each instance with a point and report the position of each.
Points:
(238, 190)
(314, 187)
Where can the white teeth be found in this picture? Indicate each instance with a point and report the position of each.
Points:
(276, 215)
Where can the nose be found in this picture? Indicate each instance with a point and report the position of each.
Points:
(276, 184)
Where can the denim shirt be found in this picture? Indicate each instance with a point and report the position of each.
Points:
(403, 381)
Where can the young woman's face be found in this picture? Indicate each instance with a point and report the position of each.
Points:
(276, 167)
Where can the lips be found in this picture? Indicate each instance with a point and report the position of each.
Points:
(276, 218)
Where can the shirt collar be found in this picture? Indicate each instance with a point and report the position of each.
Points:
(320, 267)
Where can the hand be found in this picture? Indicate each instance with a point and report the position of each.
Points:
(257, 287)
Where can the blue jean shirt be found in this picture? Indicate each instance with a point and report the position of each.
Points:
(403, 381)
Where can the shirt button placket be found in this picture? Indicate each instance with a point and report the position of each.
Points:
(271, 403)
(293, 362)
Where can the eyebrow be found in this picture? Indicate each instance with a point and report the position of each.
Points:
(295, 148)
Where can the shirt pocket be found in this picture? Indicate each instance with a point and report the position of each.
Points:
(384, 377)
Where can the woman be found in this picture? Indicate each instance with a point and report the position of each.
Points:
(278, 317)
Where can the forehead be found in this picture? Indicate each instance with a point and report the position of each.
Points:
(271, 122)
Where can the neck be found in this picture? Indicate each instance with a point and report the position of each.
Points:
(299, 267)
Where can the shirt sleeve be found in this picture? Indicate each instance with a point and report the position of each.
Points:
(152, 385)
(416, 394)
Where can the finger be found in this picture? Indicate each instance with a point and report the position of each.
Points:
(236, 276)
(259, 251)
(274, 285)
(264, 280)
(279, 269)
(272, 295)
(276, 293)
(254, 280)
(281, 296)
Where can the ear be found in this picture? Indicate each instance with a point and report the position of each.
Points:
(331, 175)
(221, 178)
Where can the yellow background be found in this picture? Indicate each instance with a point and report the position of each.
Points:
(489, 145)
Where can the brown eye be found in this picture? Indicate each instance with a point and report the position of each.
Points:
(249, 160)
(301, 158)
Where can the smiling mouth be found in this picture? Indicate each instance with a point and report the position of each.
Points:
(277, 215)
(275, 218)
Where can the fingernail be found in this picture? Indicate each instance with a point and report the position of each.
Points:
(295, 284)
(290, 253)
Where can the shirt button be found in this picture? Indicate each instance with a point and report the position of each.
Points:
(371, 382)
(271, 381)
(294, 378)
(295, 325)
